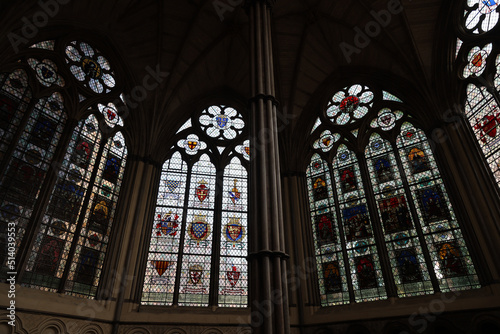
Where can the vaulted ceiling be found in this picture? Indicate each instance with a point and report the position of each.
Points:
(205, 50)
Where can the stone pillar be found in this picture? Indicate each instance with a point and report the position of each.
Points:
(267, 257)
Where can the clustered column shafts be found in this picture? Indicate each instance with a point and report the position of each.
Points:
(267, 258)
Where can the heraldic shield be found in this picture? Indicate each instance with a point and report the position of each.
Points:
(168, 224)
(234, 230)
(161, 266)
(172, 185)
(199, 229)
(195, 273)
(202, 191)
(233, 276)
(234, 194)
(221, 121)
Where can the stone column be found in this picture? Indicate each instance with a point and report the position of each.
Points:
(267, 257)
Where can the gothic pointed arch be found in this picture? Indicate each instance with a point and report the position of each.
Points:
(198, 246)
(382, 220)
(62, 163)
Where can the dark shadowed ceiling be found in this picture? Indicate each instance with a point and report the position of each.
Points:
(205, 55)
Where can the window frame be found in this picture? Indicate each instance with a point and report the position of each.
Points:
(220, 163)
(78, 104)
(358, 146)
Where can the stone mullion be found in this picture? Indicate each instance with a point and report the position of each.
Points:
(182, 237)
(216, 240)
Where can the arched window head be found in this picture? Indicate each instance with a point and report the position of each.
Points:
(478, 64)
(90, 67)
(59, 183)
(349, 104)
(480, 16)
(381, 217)
(198, 246)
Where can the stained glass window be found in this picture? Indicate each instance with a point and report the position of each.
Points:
(450, 257)
(47, 45)
(381, 217)
(14, 98)
(326, 140)
(480, 15)
(198, 247)
(329, 244)
(233, 268)
(29, 163)
(59, 183)
(349, 104)
(363, 256)
(221, 122)
(90, 67)
(479, 65)
(46, 72)
(405, 252)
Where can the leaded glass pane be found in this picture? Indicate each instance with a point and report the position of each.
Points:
(451, 260)
(386, 119)
(459, 46)
(14, 98)
(221, 122)
(364, 260)
(90, 67)
(86, 265)
(47, 45)
(389, 97)
(497, 75)
(110, 114)
(484, 116)
(197, 248)
(326, 141)
(405, 252)
(244, 149)
(350, 104)
(50, 252)
(29, 164)
(46, 72)
(481, 15)
(159, 281)
(316, 125)
(192, 144)
(195, 280)
(329, 257)
(233, 275)
(477, 60)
